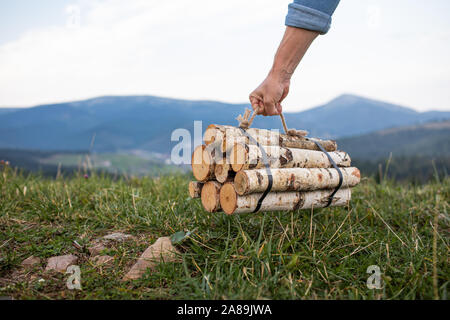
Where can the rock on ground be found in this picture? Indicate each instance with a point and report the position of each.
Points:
(96, 249)
(31, 261)
(161, 250)
(117, 236)
(61, 263)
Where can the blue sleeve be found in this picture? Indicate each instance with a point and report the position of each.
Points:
(312, 15)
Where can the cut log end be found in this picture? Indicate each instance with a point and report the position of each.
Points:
(210, 134)
(356, 173)
(221, 172)
(202, 163)
(195, 189)
(238, 157)
(210, 196)
(241, 183)
(228, 198)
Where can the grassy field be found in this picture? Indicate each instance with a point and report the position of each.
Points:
(404, 229)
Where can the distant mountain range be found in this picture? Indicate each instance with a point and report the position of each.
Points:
(4, 110)
(431, 140)
(146, 122)
(419, 152)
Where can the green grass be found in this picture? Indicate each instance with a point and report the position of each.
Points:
(296, 255)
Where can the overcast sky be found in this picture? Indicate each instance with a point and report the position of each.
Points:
(52, 51)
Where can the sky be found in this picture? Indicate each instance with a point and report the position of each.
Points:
(54, 51)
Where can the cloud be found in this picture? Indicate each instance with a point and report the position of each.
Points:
(221, 50)
(176, 48)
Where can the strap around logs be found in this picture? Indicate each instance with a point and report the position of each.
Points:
(267, 165)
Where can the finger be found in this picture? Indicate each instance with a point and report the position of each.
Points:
(256, 104)
(279, 108)
(260, 109)
(269, 108)
(263, 111)
(253, 100)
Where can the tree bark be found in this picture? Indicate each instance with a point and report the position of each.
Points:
(294, 179)
(195, 189)
(244, 157)
(306, 143)
(233, 203)
(210, 196)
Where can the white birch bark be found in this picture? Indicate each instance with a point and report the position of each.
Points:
(283, 201)
(244, 157)
(294, 179)
(230, 135)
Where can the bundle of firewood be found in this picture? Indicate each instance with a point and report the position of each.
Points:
(241, 171)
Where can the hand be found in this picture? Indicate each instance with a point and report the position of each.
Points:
(266, 99)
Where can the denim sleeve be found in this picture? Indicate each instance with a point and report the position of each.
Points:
(313, 15)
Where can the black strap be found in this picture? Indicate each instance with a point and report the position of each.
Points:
(267, 165)
(341, 178)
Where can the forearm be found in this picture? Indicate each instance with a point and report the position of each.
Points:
(306, 19)
(292, 48)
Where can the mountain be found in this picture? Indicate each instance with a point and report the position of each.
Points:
(419, 152)
(147, 122)
(4, 110)
(430, 139)
(350, 115)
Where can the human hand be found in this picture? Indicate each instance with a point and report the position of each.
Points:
(266, 99)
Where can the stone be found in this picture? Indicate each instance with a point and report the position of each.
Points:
(117, 236)
(61, 263)
(96, 249)
(161, 250)
(31, 261)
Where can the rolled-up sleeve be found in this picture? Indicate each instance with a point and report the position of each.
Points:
(312, 15)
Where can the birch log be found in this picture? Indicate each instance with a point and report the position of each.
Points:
(223, 172)
(232, 203)
(244, 157)
(215, 133)
(203, 161)
(294, 179)
(195, 189)
(210, 196)
(229, 135)
(306, 143)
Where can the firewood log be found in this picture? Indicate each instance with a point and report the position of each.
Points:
(223, 172)
(195, 189)
(232, 203)
(244, 157)
(210, 196)
(294, 179)
(229, 135)
(203, 161)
